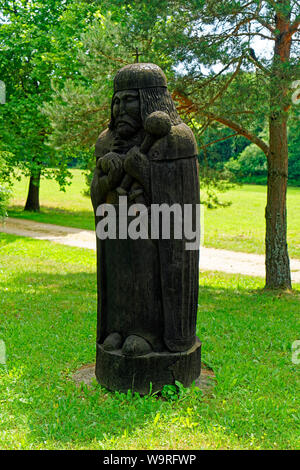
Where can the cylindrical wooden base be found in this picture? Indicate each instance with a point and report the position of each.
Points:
(118, 372)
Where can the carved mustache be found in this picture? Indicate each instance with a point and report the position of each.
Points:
(130, 122)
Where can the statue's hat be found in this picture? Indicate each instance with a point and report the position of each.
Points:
(140, 75)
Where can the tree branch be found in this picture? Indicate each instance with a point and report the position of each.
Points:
(189, 107)
(219, 140)
(240, 130)
(265, 24)
(222, 90)
(256, 62)
(113, 59)
(211, 79)
(294, 26)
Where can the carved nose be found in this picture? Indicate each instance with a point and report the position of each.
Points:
(122, 107)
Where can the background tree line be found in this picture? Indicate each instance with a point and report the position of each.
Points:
(58, 60)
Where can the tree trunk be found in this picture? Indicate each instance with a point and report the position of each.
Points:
(277, 258)
(33, 199)
(278, 274)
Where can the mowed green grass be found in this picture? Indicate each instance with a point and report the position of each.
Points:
(69, 208)
(48, 324)
(239, 227)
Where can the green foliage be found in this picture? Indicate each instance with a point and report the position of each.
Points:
(77, 46)
(80, 109)
(246, 333)
(38, 43)
(214, 177)
(8, 172)
(214, 182)
(189, 41)
(250, 166)
(294, 146)
(178, 392)
(217, 145)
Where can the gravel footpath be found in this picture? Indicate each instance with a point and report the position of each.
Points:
(211, 259)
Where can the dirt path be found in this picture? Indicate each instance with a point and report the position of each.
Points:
(211, 259)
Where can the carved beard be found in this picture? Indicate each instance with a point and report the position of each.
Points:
(122, 146)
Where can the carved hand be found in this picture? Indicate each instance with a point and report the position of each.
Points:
(111, 165)
(107, 175)
(137, 165)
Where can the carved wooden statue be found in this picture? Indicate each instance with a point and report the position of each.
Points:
(147, 288)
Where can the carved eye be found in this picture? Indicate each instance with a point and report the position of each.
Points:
(130, 98)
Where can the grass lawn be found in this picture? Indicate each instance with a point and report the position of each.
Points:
(70, 208)
(48, 322)
(240, 227)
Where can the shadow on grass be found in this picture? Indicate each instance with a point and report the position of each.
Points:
(50, 324)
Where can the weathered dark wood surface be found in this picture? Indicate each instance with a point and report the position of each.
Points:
(147, 373)
(147, 289)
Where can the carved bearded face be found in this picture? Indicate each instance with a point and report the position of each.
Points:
(127, 113)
